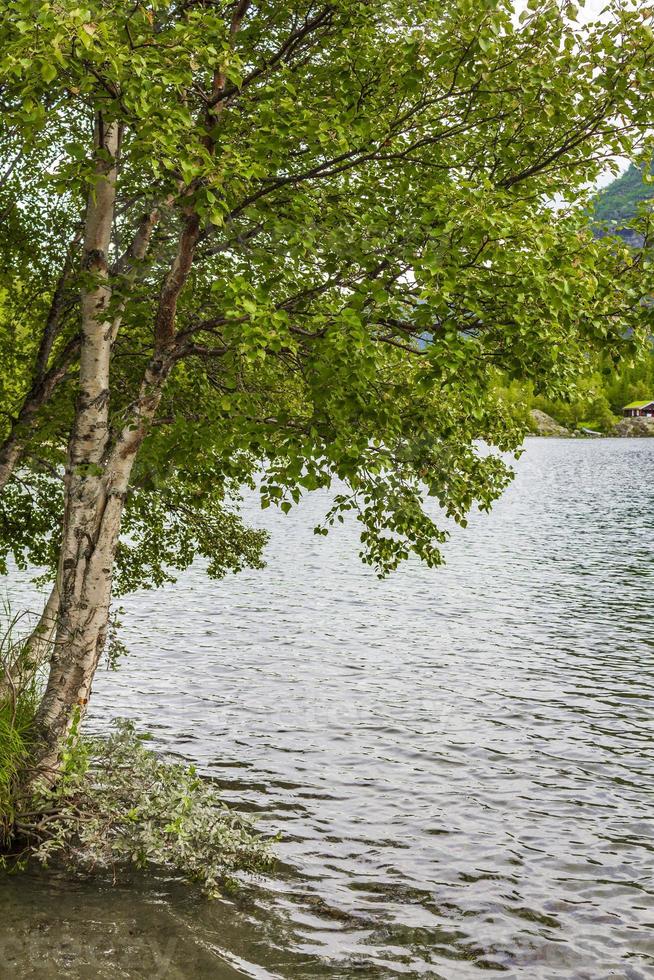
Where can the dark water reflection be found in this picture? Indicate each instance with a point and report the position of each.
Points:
(459, 760)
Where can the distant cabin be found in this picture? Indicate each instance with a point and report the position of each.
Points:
(635, 409)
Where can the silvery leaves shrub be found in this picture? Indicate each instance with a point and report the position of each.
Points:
(119, 804)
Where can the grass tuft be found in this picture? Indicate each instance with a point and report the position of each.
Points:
(19, 698)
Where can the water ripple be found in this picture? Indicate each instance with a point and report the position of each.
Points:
(459, 760)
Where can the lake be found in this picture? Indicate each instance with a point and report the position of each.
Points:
(458, 761)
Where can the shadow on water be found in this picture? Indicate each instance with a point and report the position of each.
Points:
(459, 761)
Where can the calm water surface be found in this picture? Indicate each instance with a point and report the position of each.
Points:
(459, 761)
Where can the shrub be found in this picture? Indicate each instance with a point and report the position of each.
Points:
(118, 804)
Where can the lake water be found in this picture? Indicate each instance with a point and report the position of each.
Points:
(459, 760)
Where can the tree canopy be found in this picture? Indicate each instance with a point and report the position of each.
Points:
(332, 231)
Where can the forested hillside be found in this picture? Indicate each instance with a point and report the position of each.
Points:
(618, 203)
(598, 401)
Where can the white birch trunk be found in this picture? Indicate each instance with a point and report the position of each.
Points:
(86, 584)
(98, 475)
(85, 568)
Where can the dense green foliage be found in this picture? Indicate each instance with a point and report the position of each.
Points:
(597, 398)
(362, 176)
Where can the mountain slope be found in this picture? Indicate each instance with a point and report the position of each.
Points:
(618, 202)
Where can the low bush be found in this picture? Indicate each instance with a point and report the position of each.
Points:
(118, 805)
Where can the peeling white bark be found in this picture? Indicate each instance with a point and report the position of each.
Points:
(85, 563)
(97, 473)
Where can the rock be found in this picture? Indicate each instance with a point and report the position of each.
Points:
(545, 425)
(633, 428)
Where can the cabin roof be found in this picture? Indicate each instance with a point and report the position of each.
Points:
(644, 404)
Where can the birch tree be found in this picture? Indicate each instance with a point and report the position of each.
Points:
(297, 239)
